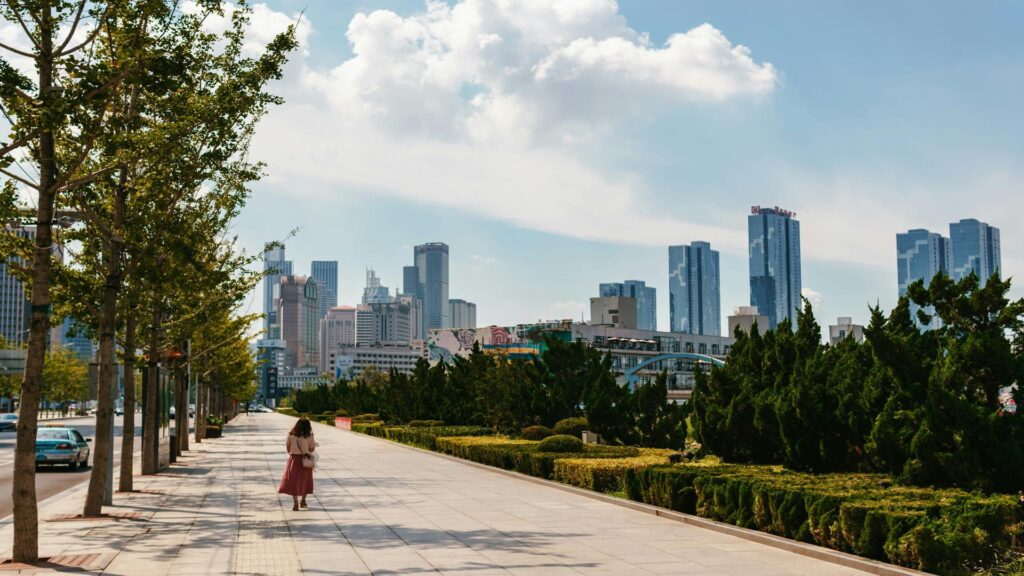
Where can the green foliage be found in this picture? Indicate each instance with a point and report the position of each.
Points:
(574, 426)
(535, 433)
(946, 531)
(605, 474)
(65, 377)
(287, 411)
(561, 443)
(366, 418)
(659, 422)
(425, 424)
(521, 456)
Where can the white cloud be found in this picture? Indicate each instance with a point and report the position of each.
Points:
(265, 24)
(813, 296)
(480, 259)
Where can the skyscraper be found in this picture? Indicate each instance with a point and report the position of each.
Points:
(975, 249)
(646, 300)
(774, 249)
(431, 264)
(299, 326)
(14, 300)
(920, 255)
(374, 293)
(463, 313)
(274, 267)
(325, 272)
(694, 289)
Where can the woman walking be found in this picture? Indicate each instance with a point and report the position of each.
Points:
(298, 473)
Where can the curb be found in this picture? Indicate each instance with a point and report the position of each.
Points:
(801, 548)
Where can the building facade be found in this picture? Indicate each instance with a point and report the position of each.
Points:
(374, 293)
(74, 339)
(463, 313)
(14, 299)
(337, 330)
(354, 361)
(325, 272)
(744, 318)
(694, 289)
(976, 249)
(297, 311)
(274, 267)
(617, 311)
(845, 328)
(646, 300)
(387, 323)
(920, 255)
(774, 249)
(431, 287)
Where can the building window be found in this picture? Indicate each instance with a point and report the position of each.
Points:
(703, 348)
(689, 347)
(714, 349)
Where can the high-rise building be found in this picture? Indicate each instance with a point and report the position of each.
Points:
(14, 300)
(646, 300)
(297, 312)
(431, 287)
(774, 249)
(614, 311)
(325, 272)
(694, 289)
(387, 323)
(274, 267)
(374, 293)
(337, 330)
(74, 339)
(975, 249)
(463, 313)
(920, 255)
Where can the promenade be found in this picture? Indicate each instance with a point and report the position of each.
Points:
(379, 508)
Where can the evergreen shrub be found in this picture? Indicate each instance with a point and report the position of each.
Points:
(536, 433)
(425, 423)
(561, 443)
(571, 426)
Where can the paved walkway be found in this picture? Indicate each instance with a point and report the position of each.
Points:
(381, 509)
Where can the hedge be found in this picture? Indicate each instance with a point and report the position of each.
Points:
(536, 432)
(574, 426)
(605, 474)
(944, 531)
(421, 437)
(523, 456)
(287, 411)
(561, 443)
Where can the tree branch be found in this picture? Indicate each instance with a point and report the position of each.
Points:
(61, 52)
(85, 179)
(17, 14)
(74, 27)
(15, 145)
(24, 181)
(18, 52)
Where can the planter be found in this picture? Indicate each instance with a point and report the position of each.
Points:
(212, 431)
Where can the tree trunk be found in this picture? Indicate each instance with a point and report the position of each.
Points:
(150, 409)
(104, 447)
(180, 411)
(26, 513)
(128, 427)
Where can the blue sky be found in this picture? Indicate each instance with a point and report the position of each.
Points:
(557, 144)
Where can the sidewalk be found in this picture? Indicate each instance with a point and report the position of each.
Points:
(379, 508)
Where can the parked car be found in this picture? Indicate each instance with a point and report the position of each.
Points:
(60, 445)
(8, 421)
(119, 411)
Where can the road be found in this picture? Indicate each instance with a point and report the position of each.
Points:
(51, 480)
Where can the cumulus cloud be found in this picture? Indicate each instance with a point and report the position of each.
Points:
(813, 296)
(264, 25)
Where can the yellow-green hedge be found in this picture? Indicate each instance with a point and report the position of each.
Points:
(605, 474)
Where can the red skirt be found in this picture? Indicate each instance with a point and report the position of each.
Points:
(296, 480)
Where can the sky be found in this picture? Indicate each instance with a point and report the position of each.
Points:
(558, 144)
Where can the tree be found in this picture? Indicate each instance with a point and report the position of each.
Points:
(65, 377)
(659, 422)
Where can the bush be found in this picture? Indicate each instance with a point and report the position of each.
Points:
(287, 411)
(425, 423)
(604, 474)
(927, 529)
(535, 433)
(366, 418)
(523, 456)
(341, 413)
(571, 426)
(421, 437)
(212, 420)
(561, 443)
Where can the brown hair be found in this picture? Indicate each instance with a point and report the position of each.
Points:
(302, 429)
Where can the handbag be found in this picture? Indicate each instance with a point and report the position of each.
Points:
(308, 461)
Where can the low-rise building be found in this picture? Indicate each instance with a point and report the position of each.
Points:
(845, 328)
(352, 361)
(617, 311)
(744, 318)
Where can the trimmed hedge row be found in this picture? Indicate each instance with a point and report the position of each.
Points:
(944, 531)
(423, 437)
(605, 474)
(523, 456)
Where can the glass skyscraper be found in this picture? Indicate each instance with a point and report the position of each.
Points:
(646, 300)
(14, 300)
(325, 272)
(774, 248)
(920, 255)
(975, 249)
(431, 264)
(274, 266)
(694, 288)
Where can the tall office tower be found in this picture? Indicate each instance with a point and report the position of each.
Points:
(374, 293)
(410, 281)
(14, 300)
(975, 249)
(79, 344)
(325, 272)
(274, 267)
(415, 315)
(920, 255)
(337, 330)
(386, 323)
(431, 262)
(297, 312)
(646, 300)
(463, 313)
(694, 290)
(774, 246)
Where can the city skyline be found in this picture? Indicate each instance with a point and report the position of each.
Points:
(535, 204)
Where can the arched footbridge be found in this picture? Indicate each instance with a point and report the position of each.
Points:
(632, 375)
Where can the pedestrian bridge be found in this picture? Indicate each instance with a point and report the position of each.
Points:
(632, 375)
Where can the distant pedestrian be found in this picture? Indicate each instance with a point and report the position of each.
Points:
(297, 479)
